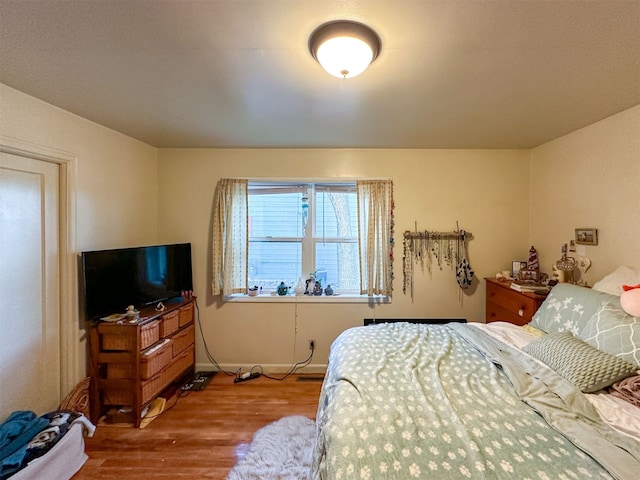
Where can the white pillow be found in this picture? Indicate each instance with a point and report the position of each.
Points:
(612, 283)
(509, 333)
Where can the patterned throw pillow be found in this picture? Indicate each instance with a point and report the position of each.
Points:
(568, 308)
(584, 366)
(613, 331)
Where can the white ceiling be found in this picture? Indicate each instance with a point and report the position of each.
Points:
(237, 73)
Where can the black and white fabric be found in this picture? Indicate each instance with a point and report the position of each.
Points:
(464, 272)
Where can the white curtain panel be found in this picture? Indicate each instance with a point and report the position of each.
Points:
(375, 230)
(230, 237)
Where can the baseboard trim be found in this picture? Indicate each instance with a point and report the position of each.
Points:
(271, 368)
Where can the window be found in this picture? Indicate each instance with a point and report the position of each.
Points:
(270, 233)
(296, 229)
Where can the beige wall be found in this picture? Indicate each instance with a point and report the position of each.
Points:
(434, 188)
(128, 193)
(589, 178)
(116, 177)
(114, 181)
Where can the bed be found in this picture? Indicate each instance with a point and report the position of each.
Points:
(403, 400)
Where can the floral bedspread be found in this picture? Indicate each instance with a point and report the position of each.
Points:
(425, 401)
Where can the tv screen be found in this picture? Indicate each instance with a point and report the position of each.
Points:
(140, 276)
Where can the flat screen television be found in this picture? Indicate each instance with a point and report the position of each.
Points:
(139, 276)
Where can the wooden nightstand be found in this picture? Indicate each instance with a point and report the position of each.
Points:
(505, 304)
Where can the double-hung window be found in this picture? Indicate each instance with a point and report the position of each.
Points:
(265, 233)
(299, 228)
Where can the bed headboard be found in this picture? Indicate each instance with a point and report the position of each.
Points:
(373, 321)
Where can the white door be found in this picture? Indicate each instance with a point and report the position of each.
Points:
(30, 365)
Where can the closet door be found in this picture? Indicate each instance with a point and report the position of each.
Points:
(30, 366)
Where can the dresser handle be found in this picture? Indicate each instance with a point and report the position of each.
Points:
(521, 312)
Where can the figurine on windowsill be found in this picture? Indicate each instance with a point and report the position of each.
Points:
(282, 289)
(310, 284)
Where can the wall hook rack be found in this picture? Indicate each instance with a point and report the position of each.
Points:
(428, 248)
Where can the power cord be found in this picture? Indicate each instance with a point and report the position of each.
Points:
(256, 370)
(206, 348)
(293, 368)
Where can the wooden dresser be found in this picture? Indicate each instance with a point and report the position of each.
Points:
(132, 363)
(505, 304)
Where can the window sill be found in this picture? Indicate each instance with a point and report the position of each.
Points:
(339, 298)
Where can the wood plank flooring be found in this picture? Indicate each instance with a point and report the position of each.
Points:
(203, 435)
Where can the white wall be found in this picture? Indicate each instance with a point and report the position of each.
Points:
(485, 191)
(589, 178)
(114, 180)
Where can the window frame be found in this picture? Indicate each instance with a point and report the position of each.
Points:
(310, 238)
(351, 184)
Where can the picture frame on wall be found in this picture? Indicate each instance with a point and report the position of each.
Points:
(586, 236)
(516, 266)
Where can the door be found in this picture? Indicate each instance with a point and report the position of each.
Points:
(30, 361)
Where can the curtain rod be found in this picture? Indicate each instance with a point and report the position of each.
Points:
(307, 179)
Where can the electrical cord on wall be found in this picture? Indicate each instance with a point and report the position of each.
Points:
(293, 368)
(256, 369)
(206, 348)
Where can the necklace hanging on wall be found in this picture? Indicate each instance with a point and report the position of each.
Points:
(440, 248)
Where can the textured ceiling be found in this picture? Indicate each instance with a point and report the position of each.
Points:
(236, 73)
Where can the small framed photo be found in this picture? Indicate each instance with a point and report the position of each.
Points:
(586, 236)
(516, 266)
(529, 275)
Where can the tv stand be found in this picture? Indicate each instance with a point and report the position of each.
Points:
(133, 363)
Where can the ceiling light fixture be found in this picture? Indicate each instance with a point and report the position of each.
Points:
(344, 48)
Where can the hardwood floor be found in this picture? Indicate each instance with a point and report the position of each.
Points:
(203, 434)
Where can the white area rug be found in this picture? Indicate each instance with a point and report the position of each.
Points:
(283, 450)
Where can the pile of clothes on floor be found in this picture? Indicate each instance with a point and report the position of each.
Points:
(24, 436)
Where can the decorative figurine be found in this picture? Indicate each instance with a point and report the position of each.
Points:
(310, 282)
(328, 291)
(282, 289)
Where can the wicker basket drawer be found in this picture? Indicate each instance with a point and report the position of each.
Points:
(180, 363)
(152, 387)
(123, 337)
(169, 323)
(182, 340)
(186, 314)
(155, 359)
(118, 337)
(149, 334)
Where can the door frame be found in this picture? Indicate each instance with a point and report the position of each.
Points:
(70, 373)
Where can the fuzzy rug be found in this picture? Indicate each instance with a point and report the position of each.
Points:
(282, 450)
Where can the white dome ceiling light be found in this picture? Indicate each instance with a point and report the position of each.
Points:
(344, 48)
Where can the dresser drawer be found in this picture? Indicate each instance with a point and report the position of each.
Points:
(496, 313)
(506, 304)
